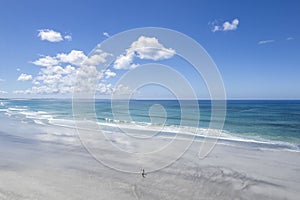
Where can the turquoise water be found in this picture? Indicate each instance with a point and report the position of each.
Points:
(257, 120)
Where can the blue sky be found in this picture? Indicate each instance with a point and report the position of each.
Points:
(258, 57)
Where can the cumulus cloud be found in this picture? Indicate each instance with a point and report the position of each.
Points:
(65, 72)
(46, 61)
(61, 73)
(52, 36)
(75, 57)
(150, 48)
(109, 74)
(225, 26)
(3, 92)
(25, 77)
(106, 34)
(56, 79)
(96, 59)
(121, 90)
(265, 41)
(18, 69)
(125, 61)
(105, 88)
(118, 91)
(68, 37)
(143, 48)
(38, 90)
(88, 76)
(216, 28)
(52, 80)
(290, 38)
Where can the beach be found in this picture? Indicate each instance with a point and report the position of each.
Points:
(48, 168)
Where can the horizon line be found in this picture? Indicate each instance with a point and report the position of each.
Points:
(162, 99)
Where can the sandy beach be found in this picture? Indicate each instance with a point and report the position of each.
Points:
(32, 168)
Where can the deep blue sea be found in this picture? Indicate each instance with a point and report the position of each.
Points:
(274, 121)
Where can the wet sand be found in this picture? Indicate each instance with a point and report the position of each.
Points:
(36, 169)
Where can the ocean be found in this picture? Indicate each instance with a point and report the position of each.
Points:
(275, 123)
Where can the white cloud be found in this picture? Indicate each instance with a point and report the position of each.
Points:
(96, 59)
(105, 88)
(46, 61)
(3, 92)
(121, 91)
(108, 74)
(35, 82)
(68, 37)
(18, 69)
(53, 36)
(125, 61)
(75, 57)
(19, 92)
(290, 38)
(53, 79)
(226, 26)
(25, 77)
(88, 76)
(2, 80)
(106, 34)
(37, 90)
(150, 48)
(60, 74)
(50, 35)
(216, 28)
(143, 48)
(265, 41)
(118, 91)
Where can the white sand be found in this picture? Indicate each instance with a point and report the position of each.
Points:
(31, 169)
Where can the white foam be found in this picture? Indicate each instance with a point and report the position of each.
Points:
(36, 115)
(62, 122)
(181, 132)
(16, 109)
(39, 122)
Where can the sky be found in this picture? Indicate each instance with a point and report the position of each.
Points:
(254, 43)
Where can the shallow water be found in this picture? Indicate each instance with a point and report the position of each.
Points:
(272, 122)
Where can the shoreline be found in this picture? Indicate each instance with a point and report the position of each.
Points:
(181, 133)
(253, 123)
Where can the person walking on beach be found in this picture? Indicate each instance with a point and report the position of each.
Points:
(143, 174)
